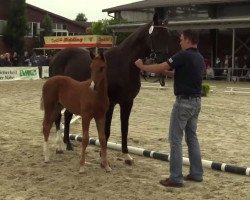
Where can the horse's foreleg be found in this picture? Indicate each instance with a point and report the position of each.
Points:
(85, 141)
(100, 123)
(67, 119)
(125, 110)
(108, 120)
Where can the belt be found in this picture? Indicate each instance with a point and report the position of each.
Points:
(187, 97)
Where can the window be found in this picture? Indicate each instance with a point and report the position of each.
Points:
(60, 29)
(34, 28)
(59, 26)
(60, 33)
(188, 12)
(53, 26)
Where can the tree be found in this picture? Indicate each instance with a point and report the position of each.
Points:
(16, 27)
(81, 17)
(119, 36)
(101, 28)
(46, 27)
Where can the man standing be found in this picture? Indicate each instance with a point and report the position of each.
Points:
(188, 66)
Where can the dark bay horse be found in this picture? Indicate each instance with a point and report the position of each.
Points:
(123, 76)
(89, 99)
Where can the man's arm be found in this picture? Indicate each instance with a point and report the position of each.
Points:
(169, 73)
(154, 68)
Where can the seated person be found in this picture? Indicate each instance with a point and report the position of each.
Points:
(226, 62)
(209, 72)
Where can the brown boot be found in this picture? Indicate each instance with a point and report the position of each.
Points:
(169, 183)
(190, 178)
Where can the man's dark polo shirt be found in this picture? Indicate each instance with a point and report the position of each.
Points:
(189, 66)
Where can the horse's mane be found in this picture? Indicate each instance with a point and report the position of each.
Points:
(136, 36)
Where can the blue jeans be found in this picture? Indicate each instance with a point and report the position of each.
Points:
(184, 117)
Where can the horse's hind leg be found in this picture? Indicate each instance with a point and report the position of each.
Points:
(60, 145)
(58, 122)
(47, 124)
(67, 119)
(85, 141)
(125, 113)
(102, 139)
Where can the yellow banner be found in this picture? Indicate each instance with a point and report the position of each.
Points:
(88, 40)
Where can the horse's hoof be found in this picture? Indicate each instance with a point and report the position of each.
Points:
(69, 147)
(59, 151)
(81, 170)
(46, 161)
(129, 162)
(107, 168)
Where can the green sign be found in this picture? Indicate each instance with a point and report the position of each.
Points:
(28, 72)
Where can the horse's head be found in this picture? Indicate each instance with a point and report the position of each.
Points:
(158, 35)
(98, 70)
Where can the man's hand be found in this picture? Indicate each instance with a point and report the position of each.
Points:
(154, 68)
(168, 73)
(139, 64)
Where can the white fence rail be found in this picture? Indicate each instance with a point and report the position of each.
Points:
(237, 90)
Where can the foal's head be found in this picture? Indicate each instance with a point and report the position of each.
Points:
(98, 70)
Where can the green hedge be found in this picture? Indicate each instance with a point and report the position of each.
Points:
(205, 90)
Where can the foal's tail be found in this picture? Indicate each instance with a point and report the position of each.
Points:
(42, 103)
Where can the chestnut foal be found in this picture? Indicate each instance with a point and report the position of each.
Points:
(87, 98)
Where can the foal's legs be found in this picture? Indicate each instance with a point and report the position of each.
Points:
(100, 123)
(67, 119)
(59, 142)
(85, 140)
(125, 110)
(47, 124)
(50, 113)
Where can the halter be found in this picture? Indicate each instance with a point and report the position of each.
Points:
(153, 53)
(154, 57)
(160, 26)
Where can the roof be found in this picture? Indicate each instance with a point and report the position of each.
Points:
(55, 15)
(192, 24)
(167, 3)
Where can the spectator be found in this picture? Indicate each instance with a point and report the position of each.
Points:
(246, 62)
(218, 62)
(47, 59)
(5, 60)
(246, 65)
(236, 62)
(226, 62)
(209, 72)
(2, 60)
(34, 59)
(226, 65)
(25, 60)
(15, 59)
(236, 71)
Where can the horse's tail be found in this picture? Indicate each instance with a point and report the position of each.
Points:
(42, 103)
